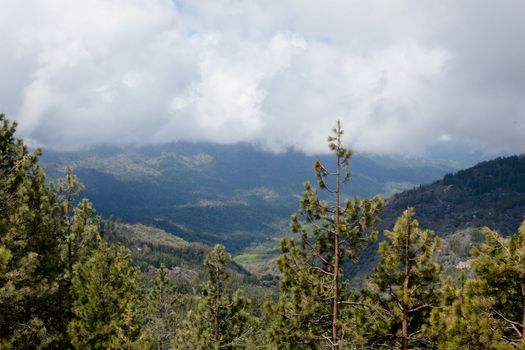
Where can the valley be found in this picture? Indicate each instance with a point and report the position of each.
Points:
(236, 194)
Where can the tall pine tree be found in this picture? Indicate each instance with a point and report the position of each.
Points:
(314, 290)
(30, 235)
(404, 287)
(79, 239)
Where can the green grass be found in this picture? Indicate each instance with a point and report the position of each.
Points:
(260, 258)
(139, 233)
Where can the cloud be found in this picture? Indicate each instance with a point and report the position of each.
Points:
(403, 76)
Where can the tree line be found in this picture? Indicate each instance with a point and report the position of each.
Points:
(64, 286)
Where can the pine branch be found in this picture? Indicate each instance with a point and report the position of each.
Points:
(420, 307)
(512, 324)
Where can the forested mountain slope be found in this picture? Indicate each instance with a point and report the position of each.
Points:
(232, 194)
(492, 194)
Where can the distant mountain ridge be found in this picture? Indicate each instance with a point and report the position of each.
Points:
(491, 193)
(230, 194)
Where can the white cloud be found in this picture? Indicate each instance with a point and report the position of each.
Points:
(401, 75)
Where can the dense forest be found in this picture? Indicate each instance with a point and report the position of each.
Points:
(70, 280)
(492, 193)
(458, 206)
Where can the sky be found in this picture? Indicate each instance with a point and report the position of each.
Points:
(404, 77)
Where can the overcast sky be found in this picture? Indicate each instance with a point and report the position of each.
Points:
(403, 76)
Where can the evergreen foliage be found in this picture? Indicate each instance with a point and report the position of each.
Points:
(163, 311)
(106, 299)
(404, 287)
(79, 238)
(44, 239)
(461, 322)
(220, 320)
(29, 247)
(493, 301)
(313, 287)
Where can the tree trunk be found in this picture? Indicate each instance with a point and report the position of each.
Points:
(70, 276)
(404, 344)
(216, 306)
(335, 281)
(523, 314)
(69, 218)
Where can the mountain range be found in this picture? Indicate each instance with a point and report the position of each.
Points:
(242, 197)
(235, 194)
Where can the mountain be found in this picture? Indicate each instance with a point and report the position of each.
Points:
(491, 193)
(231, 194)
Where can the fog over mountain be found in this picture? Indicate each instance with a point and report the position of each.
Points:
(403, 76)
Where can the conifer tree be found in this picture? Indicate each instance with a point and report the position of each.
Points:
(220, 320)
(42, 237)
(29, 247)
(106, 299)
(404, 287)
(79, 238)
(68, 189)
(314, 290)
(462, 322)
(489, 311)
(162, 311)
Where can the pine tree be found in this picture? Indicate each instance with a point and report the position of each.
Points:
(404, 287)
(42, 238)
(314, 290)
(489, 311)
(462, 322)
(79, 239)
(106, 299)
(68, 189)
(162, 311)
(29, 247)
(220, 320)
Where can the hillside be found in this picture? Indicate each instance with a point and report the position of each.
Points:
(492, 194)
(243, 197)
(152, 247)
(233, 194)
